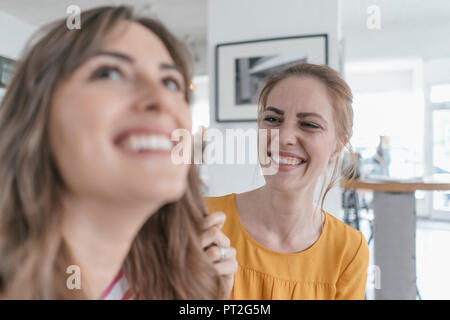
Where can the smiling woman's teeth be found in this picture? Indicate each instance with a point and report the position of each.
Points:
(286, 160)
(147, 142)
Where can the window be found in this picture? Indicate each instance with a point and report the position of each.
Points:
(388, 103)
(440, 109)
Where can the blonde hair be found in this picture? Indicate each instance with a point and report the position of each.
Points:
(165, 261)
(341, 96)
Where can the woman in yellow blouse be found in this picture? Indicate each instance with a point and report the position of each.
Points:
(287, 247)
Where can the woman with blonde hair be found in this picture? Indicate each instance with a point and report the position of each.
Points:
(287, 246)
(86, 174)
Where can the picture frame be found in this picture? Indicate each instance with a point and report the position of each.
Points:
(6, 71)
(241, 67)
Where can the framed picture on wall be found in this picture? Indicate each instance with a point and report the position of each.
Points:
(6, 70)
(241, 68)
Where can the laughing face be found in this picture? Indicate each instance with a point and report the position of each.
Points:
(111, 121)
(300, 108)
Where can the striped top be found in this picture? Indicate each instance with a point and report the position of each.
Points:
(119, 289)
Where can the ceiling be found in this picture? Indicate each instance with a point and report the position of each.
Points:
(186, 18)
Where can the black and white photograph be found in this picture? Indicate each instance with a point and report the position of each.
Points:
(251, 72)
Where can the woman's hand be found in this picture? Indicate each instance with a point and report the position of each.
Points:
(217, 247)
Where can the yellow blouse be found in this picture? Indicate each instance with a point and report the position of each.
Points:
(334, 267)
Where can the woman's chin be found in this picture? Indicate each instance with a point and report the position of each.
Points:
(174, 193)
(161, 186)
(284, 184)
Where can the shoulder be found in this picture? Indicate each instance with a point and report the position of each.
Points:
(349, 242)
(340, 230)
(223, 203)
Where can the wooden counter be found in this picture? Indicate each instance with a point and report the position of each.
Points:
(397, 186)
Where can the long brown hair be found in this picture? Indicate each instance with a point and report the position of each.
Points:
(341, 96)
(165, 261)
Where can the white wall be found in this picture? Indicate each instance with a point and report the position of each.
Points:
(14, 33)
(237, 20)
(438, 70)
(397, 41)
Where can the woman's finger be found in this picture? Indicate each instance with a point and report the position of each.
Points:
(227, 267)
(208, 236)
(214, 219)
(214, 236)
(215, 253)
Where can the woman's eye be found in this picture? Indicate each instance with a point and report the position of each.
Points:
(271, 119)
(310, 125)
(111, 73)
(172, 84)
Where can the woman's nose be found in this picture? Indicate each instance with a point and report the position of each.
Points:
(153, 96)
(288, 135)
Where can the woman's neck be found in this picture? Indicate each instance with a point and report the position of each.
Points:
(287, 222)
(286, 210)
(99, 235)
